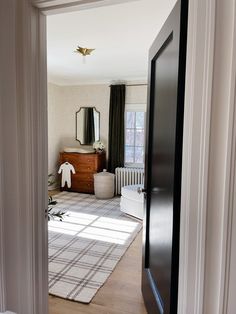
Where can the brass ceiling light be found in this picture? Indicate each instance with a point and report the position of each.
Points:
(84, 51)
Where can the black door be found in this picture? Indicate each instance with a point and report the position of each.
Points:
(163, 164)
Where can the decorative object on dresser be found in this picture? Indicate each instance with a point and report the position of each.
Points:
(86, 165)
(99, 146)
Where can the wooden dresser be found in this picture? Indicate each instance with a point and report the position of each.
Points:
(85, 166)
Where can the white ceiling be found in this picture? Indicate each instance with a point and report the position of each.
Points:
(122, 35)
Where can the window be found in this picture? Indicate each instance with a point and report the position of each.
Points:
(134, 135)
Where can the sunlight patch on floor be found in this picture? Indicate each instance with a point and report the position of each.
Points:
(91, 227)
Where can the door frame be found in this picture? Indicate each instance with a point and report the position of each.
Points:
(207, 148)
(205, 89)
(196, 142)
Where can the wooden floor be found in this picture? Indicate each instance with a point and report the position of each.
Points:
(121, 294)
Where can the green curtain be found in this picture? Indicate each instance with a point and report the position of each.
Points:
(116, 127)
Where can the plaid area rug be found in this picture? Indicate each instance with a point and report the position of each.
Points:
(86, 246)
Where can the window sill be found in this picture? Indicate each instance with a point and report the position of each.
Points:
(127, 165)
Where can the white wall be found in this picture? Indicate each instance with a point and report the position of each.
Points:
(64, 101)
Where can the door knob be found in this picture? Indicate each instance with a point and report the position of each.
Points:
(140, 190)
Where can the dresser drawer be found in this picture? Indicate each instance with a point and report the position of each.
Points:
(82, 187)
(85, 167)
(83, 176)
(80, 162)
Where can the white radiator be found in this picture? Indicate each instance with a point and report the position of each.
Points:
(128, 176)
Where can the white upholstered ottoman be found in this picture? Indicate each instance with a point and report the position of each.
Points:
(131, 201)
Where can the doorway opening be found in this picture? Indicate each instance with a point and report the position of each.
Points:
(121, 35)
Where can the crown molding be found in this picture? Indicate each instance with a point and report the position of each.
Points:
(61, 6)
(60, 83)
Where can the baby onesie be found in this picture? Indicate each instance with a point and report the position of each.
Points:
(66, 170)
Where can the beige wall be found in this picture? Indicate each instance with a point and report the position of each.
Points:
(55, 126)
(64, 101)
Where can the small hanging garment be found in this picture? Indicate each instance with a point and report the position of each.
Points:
(66, 170)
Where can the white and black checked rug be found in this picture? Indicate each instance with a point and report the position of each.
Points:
(86, 246)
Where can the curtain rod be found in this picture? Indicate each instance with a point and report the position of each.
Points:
(132, 85)
(136, 85)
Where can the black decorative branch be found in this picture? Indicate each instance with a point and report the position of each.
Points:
(54, 214)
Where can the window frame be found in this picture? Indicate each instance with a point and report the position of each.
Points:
(135, 108)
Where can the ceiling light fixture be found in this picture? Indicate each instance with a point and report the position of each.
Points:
(84, 51)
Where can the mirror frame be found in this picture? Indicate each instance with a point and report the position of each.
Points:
(76, 125)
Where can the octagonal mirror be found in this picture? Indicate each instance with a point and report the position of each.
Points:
(87, 125)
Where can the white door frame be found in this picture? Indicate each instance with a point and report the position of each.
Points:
(196, 138)
(211, 28)
(208, 159)
(23, 158)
